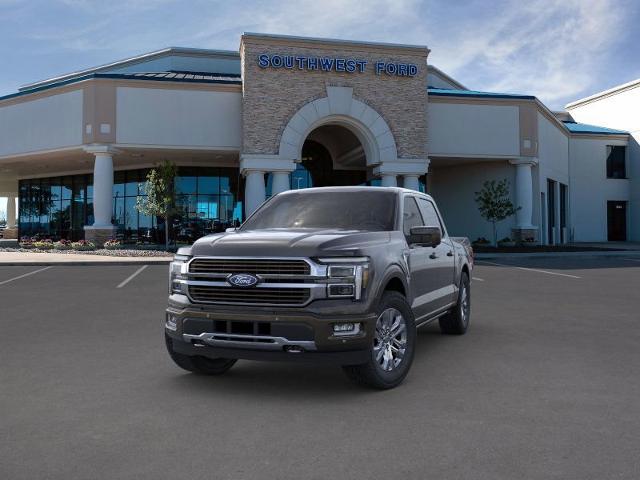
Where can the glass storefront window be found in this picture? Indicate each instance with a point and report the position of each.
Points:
(60, 207)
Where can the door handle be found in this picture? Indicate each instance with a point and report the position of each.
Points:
(450, 253)
(433, 256)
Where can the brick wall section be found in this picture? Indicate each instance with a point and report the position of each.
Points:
(271, 96)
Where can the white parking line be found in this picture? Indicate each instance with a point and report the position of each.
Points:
(478, 279)
(132, 276)
(529, 269)
(24, 275)
(632, 259)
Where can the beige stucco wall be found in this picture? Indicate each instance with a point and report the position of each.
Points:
(272, 96)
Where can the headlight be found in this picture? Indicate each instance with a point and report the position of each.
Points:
(177, 271)
(348, 276)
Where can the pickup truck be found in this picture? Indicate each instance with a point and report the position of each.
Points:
(340, 275)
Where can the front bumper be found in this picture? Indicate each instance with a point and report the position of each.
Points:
(348, 357)
(260, 334)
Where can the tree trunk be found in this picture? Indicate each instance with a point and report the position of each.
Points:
(166, 233)
(495, 234)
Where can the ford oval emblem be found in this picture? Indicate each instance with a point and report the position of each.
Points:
(243, 280)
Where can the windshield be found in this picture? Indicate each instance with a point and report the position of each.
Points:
(350, 210)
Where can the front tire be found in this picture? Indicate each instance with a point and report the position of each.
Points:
(456, 321)
(199, 365)
(392, 346)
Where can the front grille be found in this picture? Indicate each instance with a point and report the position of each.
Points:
(254, 266)
(254, 296)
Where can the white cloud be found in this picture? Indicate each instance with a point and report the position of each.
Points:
(552, 49)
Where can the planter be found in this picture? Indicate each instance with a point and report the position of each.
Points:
(506, 244)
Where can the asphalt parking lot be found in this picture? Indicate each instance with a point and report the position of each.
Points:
(544, 385)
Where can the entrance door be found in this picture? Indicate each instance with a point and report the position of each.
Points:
(617, 221)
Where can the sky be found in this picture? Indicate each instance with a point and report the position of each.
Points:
(558, 50)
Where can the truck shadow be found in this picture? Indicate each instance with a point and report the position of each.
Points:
(275, 380)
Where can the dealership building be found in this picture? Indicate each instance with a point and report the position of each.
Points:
(289, 112)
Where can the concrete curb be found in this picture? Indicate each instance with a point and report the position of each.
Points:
(599, 254)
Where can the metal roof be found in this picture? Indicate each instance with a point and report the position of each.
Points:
(186, 77)
(445, 92)
(575, 127)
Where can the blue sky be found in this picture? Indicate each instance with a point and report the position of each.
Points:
(558, 50)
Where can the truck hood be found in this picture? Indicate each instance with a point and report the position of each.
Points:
(289, 243)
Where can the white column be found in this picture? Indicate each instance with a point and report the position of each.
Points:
(11, 212)
(254, 193)
(389, 180)
(524, 192)
(102, 190)
(411, 182)
(280, 182)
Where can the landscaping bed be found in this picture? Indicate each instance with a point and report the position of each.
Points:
(121, 252)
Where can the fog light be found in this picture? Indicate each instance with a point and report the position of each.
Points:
(171, 323)
(341, 290)
(344, 327)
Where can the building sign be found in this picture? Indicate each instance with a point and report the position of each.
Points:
(335, 64)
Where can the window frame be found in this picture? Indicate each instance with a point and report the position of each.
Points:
(625, 172)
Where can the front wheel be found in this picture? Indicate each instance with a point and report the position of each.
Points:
(199, 365)
(392, 347)
(456, 321)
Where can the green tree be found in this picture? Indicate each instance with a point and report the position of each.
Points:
(160, 199)
(494, 203)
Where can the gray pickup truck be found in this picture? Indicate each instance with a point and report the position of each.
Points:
(341, 275)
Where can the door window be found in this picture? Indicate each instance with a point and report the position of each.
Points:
(411, 216)
(429, 214)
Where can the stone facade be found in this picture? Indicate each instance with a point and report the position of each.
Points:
(98, 235)
(272, 96)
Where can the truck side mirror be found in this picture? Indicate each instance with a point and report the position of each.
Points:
(425, 235)
(231, 229)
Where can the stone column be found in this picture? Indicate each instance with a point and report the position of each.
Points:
(280, 182)
(11, 232)
(524, 198)
(254, 192)
(253, 167)
(102, 228)
(11, 212)
(411, 182)
(389, 180)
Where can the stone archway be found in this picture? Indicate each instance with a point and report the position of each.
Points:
(340, 108)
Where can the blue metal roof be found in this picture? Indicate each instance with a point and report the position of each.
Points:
(575, 127)
(445, 92)
(188, 77)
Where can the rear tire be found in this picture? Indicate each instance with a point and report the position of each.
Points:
(456, 321)
(199, 365)
(392, 346)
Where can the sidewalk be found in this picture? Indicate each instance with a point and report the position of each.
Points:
(592, 253)
(35, 259)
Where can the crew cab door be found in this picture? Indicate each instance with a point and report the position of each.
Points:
(441, 259)
(423, 270)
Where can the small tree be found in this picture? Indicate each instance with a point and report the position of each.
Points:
(494, 203)
(160, 193)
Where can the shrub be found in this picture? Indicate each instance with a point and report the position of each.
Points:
(43, 244)
(505, 240)
(62, 245)
(83, 245)
(26, 242)
(482, 241)
(112, 244)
